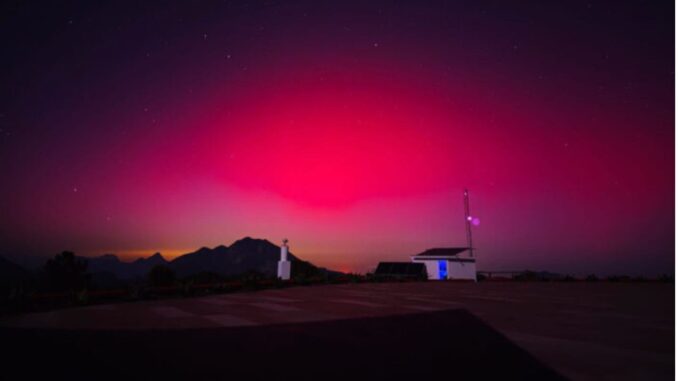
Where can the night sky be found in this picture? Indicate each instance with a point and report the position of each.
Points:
(350, 128)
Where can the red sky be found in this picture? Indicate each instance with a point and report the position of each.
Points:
(350, 135)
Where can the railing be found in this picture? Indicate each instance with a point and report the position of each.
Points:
(500, 273)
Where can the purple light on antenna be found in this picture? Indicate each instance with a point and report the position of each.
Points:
(475, 221)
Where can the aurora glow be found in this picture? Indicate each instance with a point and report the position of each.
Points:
(352, 129)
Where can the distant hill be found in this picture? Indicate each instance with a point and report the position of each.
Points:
(110, 264)
(143, 265)
(245, 255)
(11, 272)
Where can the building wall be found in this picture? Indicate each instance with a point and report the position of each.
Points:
(431, 269)
(461, 270)
(455, 270)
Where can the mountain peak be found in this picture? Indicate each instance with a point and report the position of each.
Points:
(106, 257)
(203, 250)
(157, 257)
(248, 241)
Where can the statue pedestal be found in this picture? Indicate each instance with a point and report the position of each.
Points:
(284, 270)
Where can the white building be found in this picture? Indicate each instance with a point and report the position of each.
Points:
(445, 263)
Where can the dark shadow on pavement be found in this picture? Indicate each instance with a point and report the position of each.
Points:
(443, 345)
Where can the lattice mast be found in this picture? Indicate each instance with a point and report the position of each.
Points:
(468, 219)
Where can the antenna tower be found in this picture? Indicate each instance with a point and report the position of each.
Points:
(468, 219)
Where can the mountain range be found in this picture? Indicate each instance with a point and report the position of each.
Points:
(245, 255)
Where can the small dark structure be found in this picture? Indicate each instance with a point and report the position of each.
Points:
(401, 270)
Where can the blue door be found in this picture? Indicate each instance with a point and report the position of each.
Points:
(442, 269)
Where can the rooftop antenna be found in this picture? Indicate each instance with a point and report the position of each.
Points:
(469, 219)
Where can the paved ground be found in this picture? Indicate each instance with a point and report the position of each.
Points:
(412, 346)
(581, 330)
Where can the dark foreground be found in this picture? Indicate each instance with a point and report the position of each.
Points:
(443, 344)
(512, 330)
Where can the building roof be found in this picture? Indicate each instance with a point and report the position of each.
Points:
(400, 269)
(449, 259)
(443, 252)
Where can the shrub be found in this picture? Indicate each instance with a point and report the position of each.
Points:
(161, 275)
(66, 272)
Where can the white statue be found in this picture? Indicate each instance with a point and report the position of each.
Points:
(284, 266)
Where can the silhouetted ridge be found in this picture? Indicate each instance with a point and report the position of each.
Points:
(156, 258)
(244, 255)
(110, 267)
(11, 272)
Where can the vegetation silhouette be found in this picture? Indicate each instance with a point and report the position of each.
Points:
(161, 275)
(66, 273)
